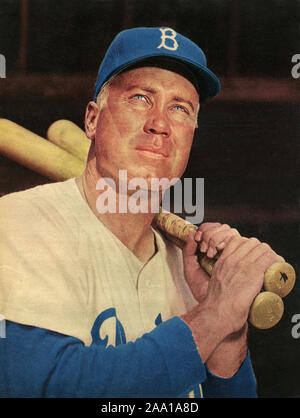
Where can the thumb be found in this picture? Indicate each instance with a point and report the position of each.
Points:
(195, 276)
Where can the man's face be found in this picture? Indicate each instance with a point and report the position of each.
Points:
(147, 125)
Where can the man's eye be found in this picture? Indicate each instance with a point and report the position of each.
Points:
(139, 97)
(181, 108)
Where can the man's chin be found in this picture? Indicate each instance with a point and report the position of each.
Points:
(156, 181)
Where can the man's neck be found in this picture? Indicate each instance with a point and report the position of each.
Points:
(132, 229)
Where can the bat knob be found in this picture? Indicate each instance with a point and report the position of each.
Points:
(266, 310)
(280, 278)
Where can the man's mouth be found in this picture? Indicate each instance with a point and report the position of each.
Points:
(152, 152)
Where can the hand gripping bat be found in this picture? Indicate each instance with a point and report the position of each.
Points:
(279, 279)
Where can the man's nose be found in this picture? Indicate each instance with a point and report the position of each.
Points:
(157, 123)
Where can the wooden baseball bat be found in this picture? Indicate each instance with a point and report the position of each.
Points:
(279, 279)
(68, 136)
(36, 153)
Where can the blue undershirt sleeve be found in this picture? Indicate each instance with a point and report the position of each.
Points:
(240, 385)
(36, 362)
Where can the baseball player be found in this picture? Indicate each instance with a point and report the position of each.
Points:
(100, 304)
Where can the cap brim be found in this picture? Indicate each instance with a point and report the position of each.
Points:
(209, 84)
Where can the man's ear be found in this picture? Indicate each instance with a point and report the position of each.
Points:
(91, 118)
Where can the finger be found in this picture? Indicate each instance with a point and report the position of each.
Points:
(218, 240)
(234, 243)
(234, 255)
(198, 235)
(232, 233)
(190, 259)
(191, 245)
(264, 251)
(265, 260)
(215, 239)
(205, 226)
(249, 253)
(208, 232)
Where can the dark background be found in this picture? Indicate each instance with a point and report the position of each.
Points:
(246, 146)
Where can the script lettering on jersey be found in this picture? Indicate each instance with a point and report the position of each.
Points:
(120, 338)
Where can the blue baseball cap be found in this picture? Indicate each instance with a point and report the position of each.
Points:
(137, 44)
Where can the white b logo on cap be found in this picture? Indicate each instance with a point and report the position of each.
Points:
(164, 36)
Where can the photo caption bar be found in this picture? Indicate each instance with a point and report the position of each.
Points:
(145, 406)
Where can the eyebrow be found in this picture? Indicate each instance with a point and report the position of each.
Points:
(180, 99)
(152, 91)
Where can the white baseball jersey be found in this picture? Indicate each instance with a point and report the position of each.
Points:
(63, 270)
